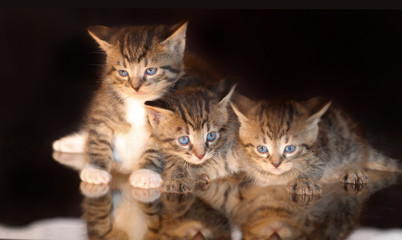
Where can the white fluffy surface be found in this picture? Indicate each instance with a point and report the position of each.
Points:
(75, 229)
(376, 234)
(57, 228)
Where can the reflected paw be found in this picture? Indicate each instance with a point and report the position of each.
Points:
(178, 185)
(304, 186)
(146, 195)
(145, 178)
(355, 176)
(93, 190)
(95, 176)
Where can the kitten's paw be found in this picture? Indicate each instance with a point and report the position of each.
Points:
(74, 143)
(178, 185)
(146, 195)
(95, 176)
(145, 178)
(304, 186)
(304, 200)
(355, 176)
(93, 190)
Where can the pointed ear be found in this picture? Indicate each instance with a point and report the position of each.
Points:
(225, 89)
(242, 118)
(102, 35)
(315, 118)
(157, 113)
(176, 42)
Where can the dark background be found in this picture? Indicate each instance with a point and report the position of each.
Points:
(49, 67)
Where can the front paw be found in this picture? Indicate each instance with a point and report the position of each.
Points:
(304, 186)
(95, 176)
(355, 176)
(145, 195)
(178, 185)
(93, 190)
(145, 178)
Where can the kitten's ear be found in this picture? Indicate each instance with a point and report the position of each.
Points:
(102, 35)
(242, 118)
(157, 112)
(315, 118)
(225, 89)
(176, 42)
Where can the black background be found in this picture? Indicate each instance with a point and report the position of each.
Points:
(49, 67)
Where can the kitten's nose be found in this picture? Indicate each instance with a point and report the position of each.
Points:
(137, 87)
(275, 236)
(276, 164)
(201, 156)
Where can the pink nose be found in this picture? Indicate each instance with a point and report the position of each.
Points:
(200, 156)
(276, 164)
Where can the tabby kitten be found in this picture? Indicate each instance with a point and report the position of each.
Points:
(142, 64)
(300, 143)
(194, 136)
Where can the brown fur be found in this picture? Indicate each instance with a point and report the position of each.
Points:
(328, 145)
(192, 112)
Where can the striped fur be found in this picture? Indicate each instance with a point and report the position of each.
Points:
(116, 125)
(270, 213)
(192, 112)
(328, 145)
(184, 217)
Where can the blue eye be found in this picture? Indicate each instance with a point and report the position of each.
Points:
(262, 149)
(211, 136)
(150, 71)
(184, 140)
(123, 73)
(290, 148)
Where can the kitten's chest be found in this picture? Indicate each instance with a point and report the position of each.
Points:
(129, 145)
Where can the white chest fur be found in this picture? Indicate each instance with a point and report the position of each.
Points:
(129, 146)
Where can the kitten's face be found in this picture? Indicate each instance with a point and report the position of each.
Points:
(197, 126)
(273, 228)
(142, 62)
(277, 138)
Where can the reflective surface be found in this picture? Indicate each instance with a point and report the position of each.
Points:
(232, 209)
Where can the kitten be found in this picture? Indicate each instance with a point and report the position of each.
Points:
(300, 143)
(194, 137)
(142, 63)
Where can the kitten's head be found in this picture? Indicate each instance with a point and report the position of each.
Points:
(142, 61)
(193, 123)
(277, 135)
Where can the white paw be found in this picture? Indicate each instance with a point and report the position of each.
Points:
(145, 178)
(74, 143)
(93, 190)
(95, 176)
(146, 195)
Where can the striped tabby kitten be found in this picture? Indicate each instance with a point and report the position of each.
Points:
(300, 143)
(142, 64)
(194, 135)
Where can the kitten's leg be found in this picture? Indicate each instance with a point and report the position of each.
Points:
(304, 186)
(146, 195)
(73, 143)
(99, 153)
(148, 176)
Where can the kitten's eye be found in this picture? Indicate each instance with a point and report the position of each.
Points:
(123, 73)
(150, 71)
(290, 148)
(211, 136)
(184, 140)
(262, 149)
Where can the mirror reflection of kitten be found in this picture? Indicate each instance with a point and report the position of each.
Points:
(271, 213)
(301, 143)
